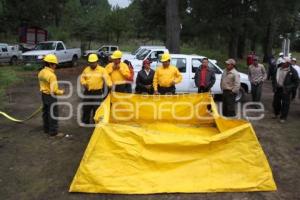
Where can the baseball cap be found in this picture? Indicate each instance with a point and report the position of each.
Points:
(230, 61)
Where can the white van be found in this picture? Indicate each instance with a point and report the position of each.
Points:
(9, 54)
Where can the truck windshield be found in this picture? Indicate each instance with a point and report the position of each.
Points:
(45, 46)
(143, 54)
(140, 52)
(136, 51)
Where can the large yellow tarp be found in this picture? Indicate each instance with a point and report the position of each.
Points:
(167, 144)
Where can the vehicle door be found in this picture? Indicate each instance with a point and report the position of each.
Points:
(181, 64)
(61, 53)
(112, 49)
(1, 54)
(196, 63)
(103, 50)
(216, 89)
(4, 54)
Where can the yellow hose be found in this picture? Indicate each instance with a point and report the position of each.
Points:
(21, 120)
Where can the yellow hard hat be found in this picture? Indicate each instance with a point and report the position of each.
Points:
(116, 55)
(165, 57)
(93, 58)
(51, 58)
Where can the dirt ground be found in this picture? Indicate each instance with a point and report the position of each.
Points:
(36, 167)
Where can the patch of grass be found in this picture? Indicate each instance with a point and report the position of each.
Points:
(217, 55)
(296, 55)
(1, 96)
(132, 45)
(242, 66)
(30, 67)
(212, 54)
(128, 47)
(8, 76)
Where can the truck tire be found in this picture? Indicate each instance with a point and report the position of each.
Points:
(13, 60)
(74, 61)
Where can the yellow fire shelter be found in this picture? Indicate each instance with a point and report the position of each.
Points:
(170, 144)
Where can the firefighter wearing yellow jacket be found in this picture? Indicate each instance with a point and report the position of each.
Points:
(93, 78)
(49, 89)
(119, 73)
(166, 76)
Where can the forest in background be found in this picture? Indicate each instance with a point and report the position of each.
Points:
(232, 27)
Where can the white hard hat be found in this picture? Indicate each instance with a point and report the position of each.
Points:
(281, 61)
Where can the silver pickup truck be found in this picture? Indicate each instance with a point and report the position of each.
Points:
(57, 48)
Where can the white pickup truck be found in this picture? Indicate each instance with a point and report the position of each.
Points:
(188, 64)
(105, 49)
(9, 54)
(57, 48)
(141, 49)
(152, 54)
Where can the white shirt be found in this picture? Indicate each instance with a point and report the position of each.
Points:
(147, 72)
(281, 74)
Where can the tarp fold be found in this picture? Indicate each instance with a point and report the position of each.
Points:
(135, 150)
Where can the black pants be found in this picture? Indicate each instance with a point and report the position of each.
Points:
(256, 90)
(228, 103)
(89, 111)
(294, 93)
(123, 88)
(281, 103)
(203, 89)
(166, 90)
(49, 123)
(139, 90)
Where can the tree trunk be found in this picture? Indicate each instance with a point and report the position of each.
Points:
(241, 45)
(107, 36)
(268, 41)
(90, 42)
(233, 44)
(57, 20)
(118, 34)
(253, 43)
(172, 26)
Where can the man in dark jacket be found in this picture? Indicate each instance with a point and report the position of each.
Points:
(284, 83)
(205, 77)
(272, 68)
(144, 79)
